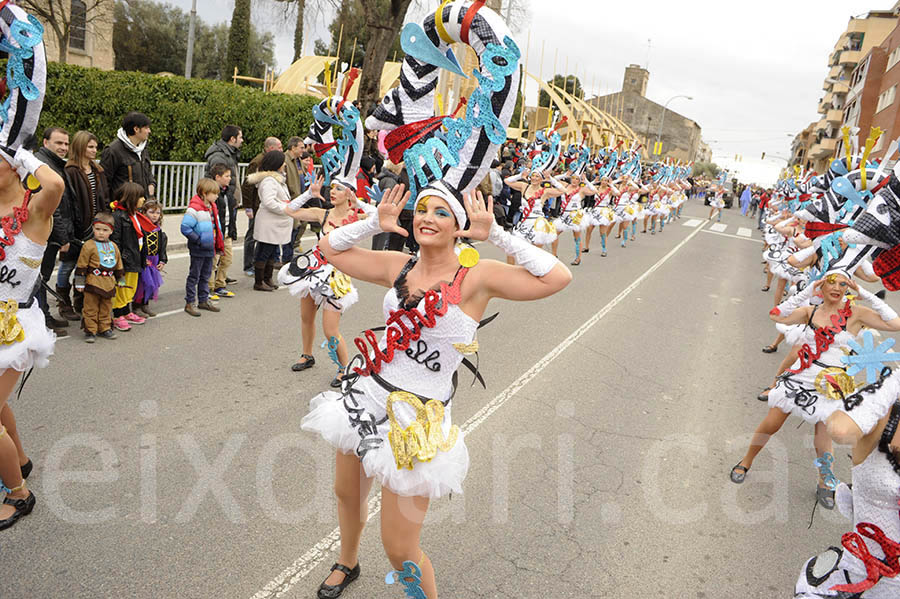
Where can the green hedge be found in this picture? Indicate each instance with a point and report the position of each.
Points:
(187, 115)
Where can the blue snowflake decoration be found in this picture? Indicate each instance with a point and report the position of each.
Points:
(868, 357)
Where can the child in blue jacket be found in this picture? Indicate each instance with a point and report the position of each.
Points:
(200, 225)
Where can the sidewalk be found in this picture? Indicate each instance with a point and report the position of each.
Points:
(178, 242)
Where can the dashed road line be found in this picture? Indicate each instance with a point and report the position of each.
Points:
(734, 236)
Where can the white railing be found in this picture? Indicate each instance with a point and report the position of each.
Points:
(176, 182)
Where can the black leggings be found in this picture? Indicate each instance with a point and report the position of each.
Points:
(267, 251)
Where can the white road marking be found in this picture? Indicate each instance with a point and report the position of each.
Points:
(744, 232)
(718, 227)
(692, 223)
(734, 236)
(304, 564)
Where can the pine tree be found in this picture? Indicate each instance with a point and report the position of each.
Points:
(239, 38)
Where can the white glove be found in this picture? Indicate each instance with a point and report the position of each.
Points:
(26, 163)
(843, 497)
(531, 258)
(300, 201)
(344, 238)
(795, 301)
(881, 308)
(557, 184)
(368, 209)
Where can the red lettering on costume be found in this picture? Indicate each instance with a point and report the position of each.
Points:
(824, 338)
(400, 334)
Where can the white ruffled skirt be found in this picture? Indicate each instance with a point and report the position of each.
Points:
(35, 349)
(601, 216)
(536, 230)
(572, 220)
(356, 422)
(808, 395)
(328, 287)
(658, 209)
(626, 214)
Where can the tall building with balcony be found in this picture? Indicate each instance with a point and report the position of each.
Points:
(862, 34)
(803, 141)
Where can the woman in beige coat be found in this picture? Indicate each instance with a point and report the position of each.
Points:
(272, 227)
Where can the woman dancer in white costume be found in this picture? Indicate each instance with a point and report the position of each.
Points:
(392, 419)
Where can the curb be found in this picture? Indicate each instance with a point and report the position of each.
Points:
(181, 246)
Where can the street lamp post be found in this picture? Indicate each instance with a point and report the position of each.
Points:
(189, 59)
(663, 119)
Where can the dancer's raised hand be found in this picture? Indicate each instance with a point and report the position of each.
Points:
(481, 216)
(390, 208)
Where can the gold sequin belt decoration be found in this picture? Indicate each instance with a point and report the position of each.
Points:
(834, 383)
(340, 284)
(422, 439)
(11, 330)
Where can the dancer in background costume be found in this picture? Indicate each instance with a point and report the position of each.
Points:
(309, 275)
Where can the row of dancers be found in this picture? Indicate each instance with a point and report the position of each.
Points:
(824, 235)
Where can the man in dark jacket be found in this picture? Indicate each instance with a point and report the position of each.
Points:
(127, 158)
(250, 202)
(55, 147)
(227, 151)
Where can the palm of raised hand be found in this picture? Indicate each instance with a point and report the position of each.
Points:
(481, 217)
(390, 208)
(480, 225)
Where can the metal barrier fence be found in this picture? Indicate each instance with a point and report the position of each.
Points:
(176, 182)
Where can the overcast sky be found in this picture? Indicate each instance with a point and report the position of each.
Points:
(754, 70)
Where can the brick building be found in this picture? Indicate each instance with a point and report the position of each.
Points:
(681, 136)
(90, 32)
(883, 90)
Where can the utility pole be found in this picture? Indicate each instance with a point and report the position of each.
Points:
(189, 61)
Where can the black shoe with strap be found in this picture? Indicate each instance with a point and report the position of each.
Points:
(23, 507)
(308, 362)
(333, 591)
(738, 474)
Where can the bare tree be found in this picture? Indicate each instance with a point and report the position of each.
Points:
(384, 19)
(289, 7)
(70, 20)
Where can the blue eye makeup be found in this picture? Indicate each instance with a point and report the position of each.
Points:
(442, 213)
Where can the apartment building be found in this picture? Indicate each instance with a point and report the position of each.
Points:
(863, 33)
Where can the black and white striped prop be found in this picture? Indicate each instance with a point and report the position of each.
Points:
(450, 162)
(21, 38)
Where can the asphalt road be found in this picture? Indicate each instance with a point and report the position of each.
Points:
(169, 462)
